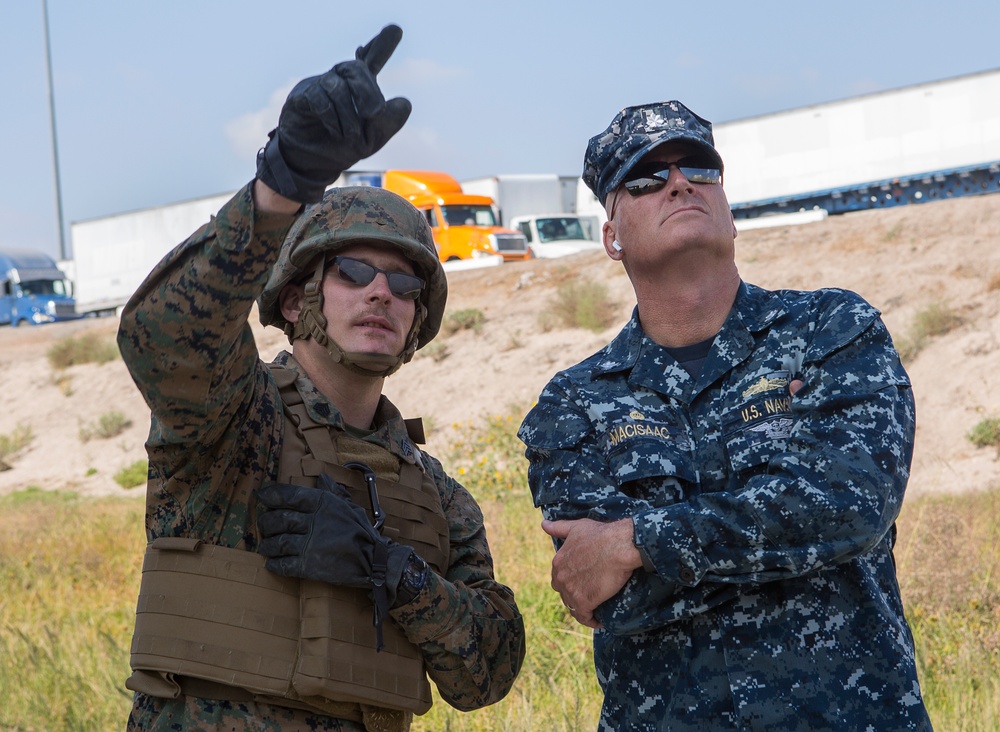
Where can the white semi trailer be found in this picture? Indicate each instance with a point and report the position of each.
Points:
(112, 255)
(911, 145)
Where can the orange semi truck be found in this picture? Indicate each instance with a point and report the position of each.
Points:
(464, 226)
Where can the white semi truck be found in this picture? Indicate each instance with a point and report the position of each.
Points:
(916, 144)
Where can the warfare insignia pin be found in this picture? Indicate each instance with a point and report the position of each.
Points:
(765, 384)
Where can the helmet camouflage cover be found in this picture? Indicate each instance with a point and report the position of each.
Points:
(353, 215)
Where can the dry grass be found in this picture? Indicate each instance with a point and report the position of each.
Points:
(69, 569)
(85, 348)
(948, 556)
(70, 572)
(934, 320)
(16, 441)
(582, 304)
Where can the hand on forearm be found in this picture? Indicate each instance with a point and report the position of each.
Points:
(594, 562)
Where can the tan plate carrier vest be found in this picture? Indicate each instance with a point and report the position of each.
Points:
(212, 614)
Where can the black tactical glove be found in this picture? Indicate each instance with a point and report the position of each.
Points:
(321, 534)
(330, 122)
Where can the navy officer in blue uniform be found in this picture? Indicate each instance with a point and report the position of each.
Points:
(722, 480)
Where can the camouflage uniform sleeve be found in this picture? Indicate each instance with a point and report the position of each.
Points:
(830, 496)
(184, 333)
(188, 346)
(466, 624)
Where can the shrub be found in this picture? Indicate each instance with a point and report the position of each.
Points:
(109, 424)
(934, 320)
(467, 319)
(87, 348)
(132, 475)
(14, 442)
(583, 304)
(986, 433)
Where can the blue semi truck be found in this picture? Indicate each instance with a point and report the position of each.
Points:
(33, 289)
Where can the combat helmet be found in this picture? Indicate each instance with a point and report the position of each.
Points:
(347, 216)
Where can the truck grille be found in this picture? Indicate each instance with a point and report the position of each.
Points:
(65, 310)
(511, 243)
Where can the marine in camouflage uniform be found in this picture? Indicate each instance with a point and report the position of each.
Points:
(755, 474)
(218, 426)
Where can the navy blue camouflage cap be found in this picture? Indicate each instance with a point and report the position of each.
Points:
(634, 132)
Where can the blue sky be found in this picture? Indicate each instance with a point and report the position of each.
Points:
(159, 102)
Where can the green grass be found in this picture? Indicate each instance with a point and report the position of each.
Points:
(132, 475)
(70, 567)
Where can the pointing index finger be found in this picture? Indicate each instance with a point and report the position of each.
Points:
(380, 48)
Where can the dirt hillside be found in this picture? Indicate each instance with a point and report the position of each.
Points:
(904, 260)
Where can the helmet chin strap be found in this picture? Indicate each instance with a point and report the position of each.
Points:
(312, 324)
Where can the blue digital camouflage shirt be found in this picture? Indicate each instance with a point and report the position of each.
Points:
(769, 519)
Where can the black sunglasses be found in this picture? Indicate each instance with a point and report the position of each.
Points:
(652, 177)
(401, 284)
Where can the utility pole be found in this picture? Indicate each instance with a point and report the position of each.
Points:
(55, 147)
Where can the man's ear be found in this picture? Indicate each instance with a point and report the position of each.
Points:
(608, 235)
(290, 300)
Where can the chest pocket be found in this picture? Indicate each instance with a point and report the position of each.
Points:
(651, 460)
(759, 427)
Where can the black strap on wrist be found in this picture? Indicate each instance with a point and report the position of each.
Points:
(380, 595)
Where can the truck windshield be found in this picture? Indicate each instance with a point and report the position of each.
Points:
(469, 215)
(44, 287)
(555, 229)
